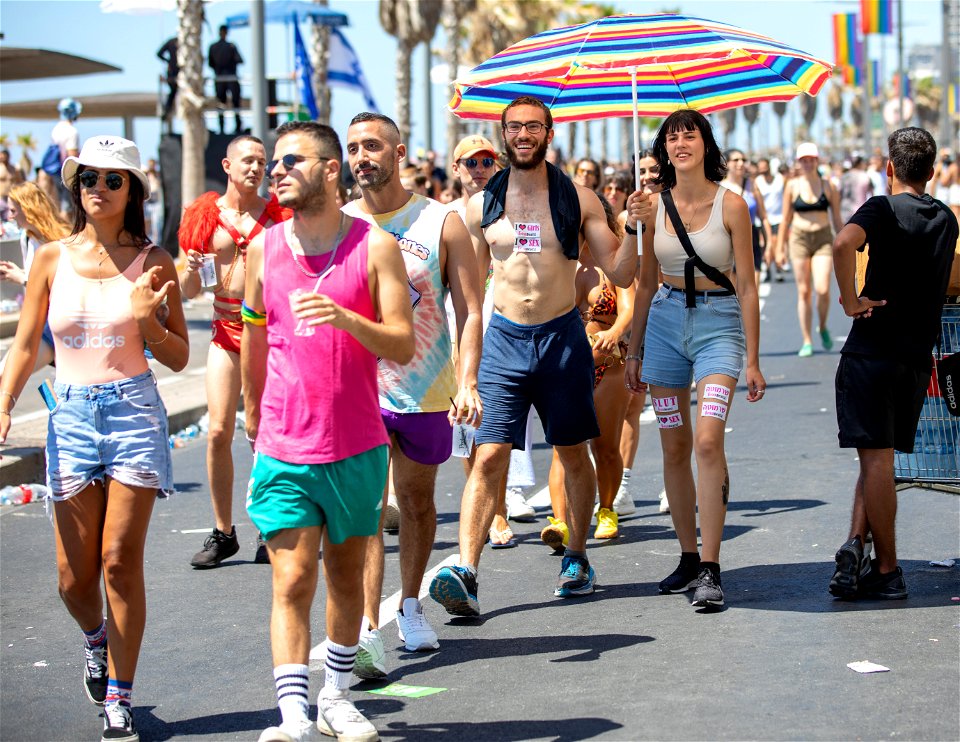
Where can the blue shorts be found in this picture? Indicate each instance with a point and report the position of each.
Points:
(548, 366)
(680, 342)
(423, 437)
(117, 429)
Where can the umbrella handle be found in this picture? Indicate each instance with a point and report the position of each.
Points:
(636, 130)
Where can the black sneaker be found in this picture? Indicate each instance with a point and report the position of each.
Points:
(455, 588)
(889, 586)
(118, 724)
(216, 548)
(846, 578)
(708, 591)
(262, 556)
(683, 577)
(95, 673)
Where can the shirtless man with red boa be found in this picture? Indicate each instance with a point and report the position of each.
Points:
(224, 226)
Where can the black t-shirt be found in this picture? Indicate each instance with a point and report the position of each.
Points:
(912, 241)
(224, 58)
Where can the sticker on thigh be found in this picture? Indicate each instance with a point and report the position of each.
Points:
(668, 414)
(714, 409)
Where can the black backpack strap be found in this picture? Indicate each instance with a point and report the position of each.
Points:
(693, 260)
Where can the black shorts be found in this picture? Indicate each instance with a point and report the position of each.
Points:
(879, 400)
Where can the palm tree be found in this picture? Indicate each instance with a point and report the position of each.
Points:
(454, 11)
(411, 22)
(808, 109)
(191, 99)
(320, 54)
(780, 108)
(27, 144)
(751, 114)
(927, 96)
(728, 119)
(835, 109)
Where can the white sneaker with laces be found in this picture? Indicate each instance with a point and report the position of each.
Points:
(391, 520)
(623, 503)
(371, 656)
(517, 507)
(664, 502)
(339, 718)
(415, 632)
(302, 730)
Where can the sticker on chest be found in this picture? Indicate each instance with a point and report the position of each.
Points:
(527, 237)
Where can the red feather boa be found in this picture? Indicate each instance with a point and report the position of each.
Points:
(202, 217)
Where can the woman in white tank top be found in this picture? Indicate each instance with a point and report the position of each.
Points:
(705, 342)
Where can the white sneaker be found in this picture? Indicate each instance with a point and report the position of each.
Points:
(415, 632)
(540, 499)
(391, 521)
(664, 503)
(517, 507)
(302, 731)
(623, 503)
(339, 718)
(371, 656)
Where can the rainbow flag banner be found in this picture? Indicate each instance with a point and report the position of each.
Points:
(953, 98)
(846, 47)
(876, 16)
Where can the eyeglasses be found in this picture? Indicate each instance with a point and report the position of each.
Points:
(612, 188)
(587, 171)
(472, 162)
(90, 178)
(290, 160)
(533, 127)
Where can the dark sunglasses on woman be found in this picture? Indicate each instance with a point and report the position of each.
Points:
(90, 178)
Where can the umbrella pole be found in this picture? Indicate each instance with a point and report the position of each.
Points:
(636, 129)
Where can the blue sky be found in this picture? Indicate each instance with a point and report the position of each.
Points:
(131, 41)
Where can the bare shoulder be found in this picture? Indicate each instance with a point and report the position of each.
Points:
(589, 202)
(380, 242)
(159, 257)
(734, 205)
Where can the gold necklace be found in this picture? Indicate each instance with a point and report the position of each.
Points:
(688, 224)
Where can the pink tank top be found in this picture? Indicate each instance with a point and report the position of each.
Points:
(319, 402)
(95, 337)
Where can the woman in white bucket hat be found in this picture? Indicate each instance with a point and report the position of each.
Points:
(102, 289)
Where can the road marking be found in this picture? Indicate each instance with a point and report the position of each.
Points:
(389, 606)
(195, 530)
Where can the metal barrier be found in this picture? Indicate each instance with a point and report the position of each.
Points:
(935, 461)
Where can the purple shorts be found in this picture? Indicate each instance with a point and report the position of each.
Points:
(424, 437)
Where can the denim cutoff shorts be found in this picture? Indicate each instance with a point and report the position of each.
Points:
(682, 343)
(117, 429)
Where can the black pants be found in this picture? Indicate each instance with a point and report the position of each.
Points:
(233, 89)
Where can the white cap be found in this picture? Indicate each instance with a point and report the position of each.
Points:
(807, 149)
(106, 153)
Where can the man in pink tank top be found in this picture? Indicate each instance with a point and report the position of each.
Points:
(222, 227)
(326, 295)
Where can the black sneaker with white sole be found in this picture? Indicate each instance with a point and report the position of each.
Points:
(850, 570)
(708, 593)
(684, 576)
(216, 548)
(888, 586)
(95, 673)
(118, 724)
(261, 556)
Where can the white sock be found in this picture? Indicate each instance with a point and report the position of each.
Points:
(626, 476)
(339, 665)
(292, 681)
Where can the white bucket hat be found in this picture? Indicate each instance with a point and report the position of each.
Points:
(106, 153)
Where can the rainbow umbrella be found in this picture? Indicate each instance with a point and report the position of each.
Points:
(639, 65)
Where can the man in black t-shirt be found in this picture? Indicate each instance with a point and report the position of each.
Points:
(885, 364)
(224, 58)
(168, 53)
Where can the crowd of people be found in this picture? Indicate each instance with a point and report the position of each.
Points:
(448, 313)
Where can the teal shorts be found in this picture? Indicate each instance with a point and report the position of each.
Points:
(345, 496)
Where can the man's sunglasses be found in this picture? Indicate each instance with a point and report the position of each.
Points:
(289, 161)
(472, 162)
(90, 178)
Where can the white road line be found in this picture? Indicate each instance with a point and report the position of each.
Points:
(389, 606)
(194, 530)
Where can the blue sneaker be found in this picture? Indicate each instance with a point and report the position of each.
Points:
(455, 588)
(576, 577)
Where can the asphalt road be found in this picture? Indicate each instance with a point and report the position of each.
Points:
(623, 664)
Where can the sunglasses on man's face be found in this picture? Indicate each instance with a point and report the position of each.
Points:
(472, 162)
(289, 161)
(90, 178)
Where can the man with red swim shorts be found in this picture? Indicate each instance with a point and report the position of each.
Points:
(223, 227)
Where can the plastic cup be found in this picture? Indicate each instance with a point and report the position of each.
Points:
(302, 329)
(208, 271)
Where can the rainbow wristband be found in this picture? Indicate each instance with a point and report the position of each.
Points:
(252, 317)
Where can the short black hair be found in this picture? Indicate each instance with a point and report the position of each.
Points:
(365, 116)
(687, 119)
(913, 152)
(223, 29)
(325, 136)
(527, 100)
(134, 221)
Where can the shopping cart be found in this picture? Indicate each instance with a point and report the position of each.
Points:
(935, 461)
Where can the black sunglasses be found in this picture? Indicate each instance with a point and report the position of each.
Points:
(90, 178)
(289, 161)
(472, 162)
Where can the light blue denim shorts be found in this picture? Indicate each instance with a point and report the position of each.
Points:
(117, 429)
(682, 343)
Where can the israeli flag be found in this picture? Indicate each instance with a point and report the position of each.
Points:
(304, 72)
(344, 69)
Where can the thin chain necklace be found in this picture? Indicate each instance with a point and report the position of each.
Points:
(688, 224)
(333, 253)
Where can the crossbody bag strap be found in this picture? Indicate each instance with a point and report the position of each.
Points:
(693, 260)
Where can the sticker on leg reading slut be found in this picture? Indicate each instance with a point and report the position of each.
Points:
(665, 404)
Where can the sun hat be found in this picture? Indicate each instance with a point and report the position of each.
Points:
(807, 149)
(106, 153)
(469, 146)
(70, 109)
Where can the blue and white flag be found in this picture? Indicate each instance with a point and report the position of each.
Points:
(304, 71)
(344, 68)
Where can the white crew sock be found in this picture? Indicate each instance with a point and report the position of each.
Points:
(292, 681)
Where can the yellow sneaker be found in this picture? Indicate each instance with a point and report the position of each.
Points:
(556, 535)
(606, 524)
